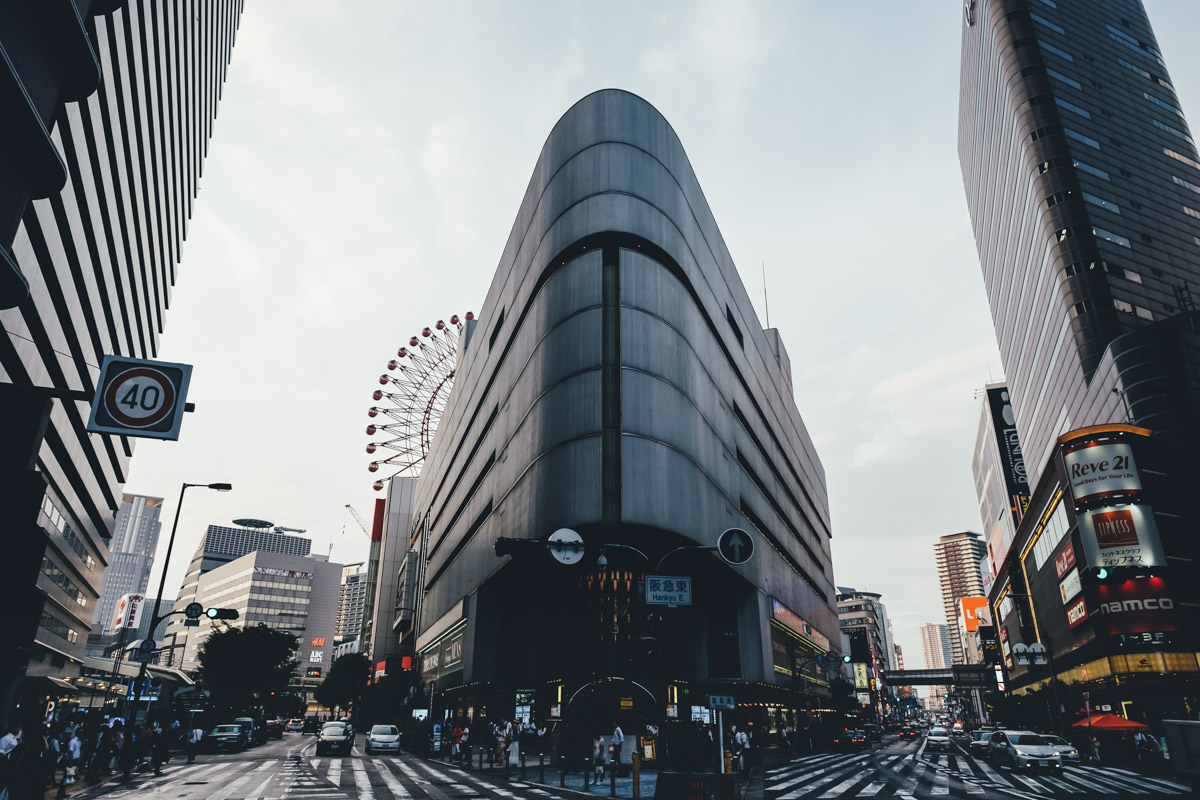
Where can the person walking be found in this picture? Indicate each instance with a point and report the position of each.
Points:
(742, 744)
(195, 735)
(597, 760)
(618, 740)
(74, 755)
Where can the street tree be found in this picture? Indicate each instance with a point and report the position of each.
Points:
(345, 682)
(247, 668)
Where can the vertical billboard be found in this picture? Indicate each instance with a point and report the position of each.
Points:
(1012, 460)
(126, 615)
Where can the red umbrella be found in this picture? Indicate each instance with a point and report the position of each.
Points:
(1110, 722)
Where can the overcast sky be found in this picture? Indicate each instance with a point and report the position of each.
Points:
(368, 161)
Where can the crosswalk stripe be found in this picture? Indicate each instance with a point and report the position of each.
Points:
(990, 773)
(855, 777)
(792, 764)
(1136, 786)
(262, 787)
(941, 783)
(972, 787)
(334, 775)
(1078, 776)
(391, 782)
(797, 770)
(872, 790)
(910, 783)
(1062, 785)
(1160, 781)
(823, 782)
(411, 773)
(809, 776)
(229, 788)
(1030, 782)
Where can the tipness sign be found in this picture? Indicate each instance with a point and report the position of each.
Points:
(136, 397)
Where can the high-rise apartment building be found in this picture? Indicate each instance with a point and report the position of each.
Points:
(959, 556)
(134, 539)
(935, 645)
(1083, 184)
(221, 545)
(107, 109)
(352, 598)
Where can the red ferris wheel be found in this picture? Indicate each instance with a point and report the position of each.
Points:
(416, 388)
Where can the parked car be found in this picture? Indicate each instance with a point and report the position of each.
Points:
(1065, 749)
(335, 737)
(274, 729)
(225, 738)
(1023, 750)
(383, 739)
(295, 725)
(979, 743)
(937, 739)
(255, 731)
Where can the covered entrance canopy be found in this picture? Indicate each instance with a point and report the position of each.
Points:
(1110, 722)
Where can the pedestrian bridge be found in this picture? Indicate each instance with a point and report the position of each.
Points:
(967, 676)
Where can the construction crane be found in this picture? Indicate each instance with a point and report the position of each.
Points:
(281, 529)
(357, 518)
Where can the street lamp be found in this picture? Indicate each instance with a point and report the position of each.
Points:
(162, 581)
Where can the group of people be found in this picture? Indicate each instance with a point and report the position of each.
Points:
(34, 757)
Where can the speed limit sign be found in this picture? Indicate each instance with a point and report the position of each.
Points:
(136, 397)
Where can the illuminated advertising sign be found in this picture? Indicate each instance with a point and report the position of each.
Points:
(1124, 536)
(969, 608)
(861, 679)
(316, 656)
(790, 619)
(1101, 470)
(1012, 460)
(1077, 613)
(1065, 560)
(1140, 605)
(1070, 586)
(999, 678)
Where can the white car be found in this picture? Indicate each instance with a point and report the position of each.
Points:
(1023, 750)
(1065, 749)
(937, 739)
(383, 739)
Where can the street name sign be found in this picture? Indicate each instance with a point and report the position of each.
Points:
(721, 701)
(138, 397)
(668, 590)
(735, 546)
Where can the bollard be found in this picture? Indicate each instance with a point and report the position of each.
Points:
(637, 775)
(507, 763)
(562, 772)
(522, 766)
(541, 767)
(586, 778)
(612, 779)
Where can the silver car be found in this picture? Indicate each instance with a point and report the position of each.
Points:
(937, 739)
(383, 739)
(1023, 750)
(1065, 749)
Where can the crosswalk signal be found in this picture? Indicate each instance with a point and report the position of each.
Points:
(222, 613)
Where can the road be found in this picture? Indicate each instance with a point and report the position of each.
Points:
(290, 770)
(906, 769)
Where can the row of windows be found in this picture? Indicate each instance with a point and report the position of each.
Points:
(1051, 536)
(60, 579)
(1181, 158)
(59, 628)
(1129, 308)
(60, 524)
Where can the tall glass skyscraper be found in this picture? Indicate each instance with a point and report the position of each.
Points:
(134, 539)
(107, 108)
(1083, 183)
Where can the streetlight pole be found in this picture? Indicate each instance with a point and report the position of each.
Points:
(162, 584)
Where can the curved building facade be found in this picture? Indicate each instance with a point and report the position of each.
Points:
(617, 383)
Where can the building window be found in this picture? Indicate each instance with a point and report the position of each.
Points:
(1102, 203)
(1130, 275)
(1121, 305)
(1181, 158)
(737, 332)
(1172, 131)
(1079, 137)
(1090, 170)
(1074, 109)
(1083, 307)
(1109, 236)
(496, 330)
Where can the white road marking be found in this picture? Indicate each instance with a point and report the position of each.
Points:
(334, 775)
(389, 780)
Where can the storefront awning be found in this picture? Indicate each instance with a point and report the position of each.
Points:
(47, 684)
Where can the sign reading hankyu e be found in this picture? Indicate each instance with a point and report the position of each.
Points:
(1102, 470)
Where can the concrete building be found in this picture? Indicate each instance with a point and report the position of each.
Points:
(294, 594)
(618, 383)
(134, 539)
(1082, 181)
(959, 558)
(107, 114)
(351, 599)
(222, 545)
(935, 646)
(863, 620)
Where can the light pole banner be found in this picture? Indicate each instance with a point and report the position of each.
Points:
(1121, 536)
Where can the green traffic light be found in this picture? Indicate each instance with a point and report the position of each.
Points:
(212, 613)
(1102, 573)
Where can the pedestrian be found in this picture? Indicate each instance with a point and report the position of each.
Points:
(742, 745)
(456, 743)
(74, 755)
(618, 740)
(193, 742)
(159, 750)
(10, 740)
(1095, 744)
(597, 760)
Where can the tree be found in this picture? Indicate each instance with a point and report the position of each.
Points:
(244, 668)
(345, 682)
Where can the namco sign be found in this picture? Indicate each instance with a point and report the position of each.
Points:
(1136, 606)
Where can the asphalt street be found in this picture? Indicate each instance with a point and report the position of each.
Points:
(906, 769)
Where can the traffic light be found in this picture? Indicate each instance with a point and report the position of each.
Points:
(222, 613)
(846, 659)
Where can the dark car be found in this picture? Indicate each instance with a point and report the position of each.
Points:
(256, 732)
(849, 739)
(311, 725)
(874, 733)
(979, 742)
(908, 732)
(226, 738)
(274, 729)
(335, 737)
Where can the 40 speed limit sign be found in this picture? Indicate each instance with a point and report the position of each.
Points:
(136, 397)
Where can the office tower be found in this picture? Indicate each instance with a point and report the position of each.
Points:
(959, 556)
(1083, 184)
(352, 597)
(134, 538)
(618, 383)
(935, 645)
(107, 109)
(290, 593)
(221, 545)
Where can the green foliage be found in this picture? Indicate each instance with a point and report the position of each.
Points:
(246, 669)
(345, 682)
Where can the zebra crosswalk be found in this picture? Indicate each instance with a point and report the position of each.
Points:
(407, 777)
(910, 773)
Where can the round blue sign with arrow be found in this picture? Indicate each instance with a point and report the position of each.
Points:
(735, 546)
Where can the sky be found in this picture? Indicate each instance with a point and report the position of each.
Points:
(368, 161)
